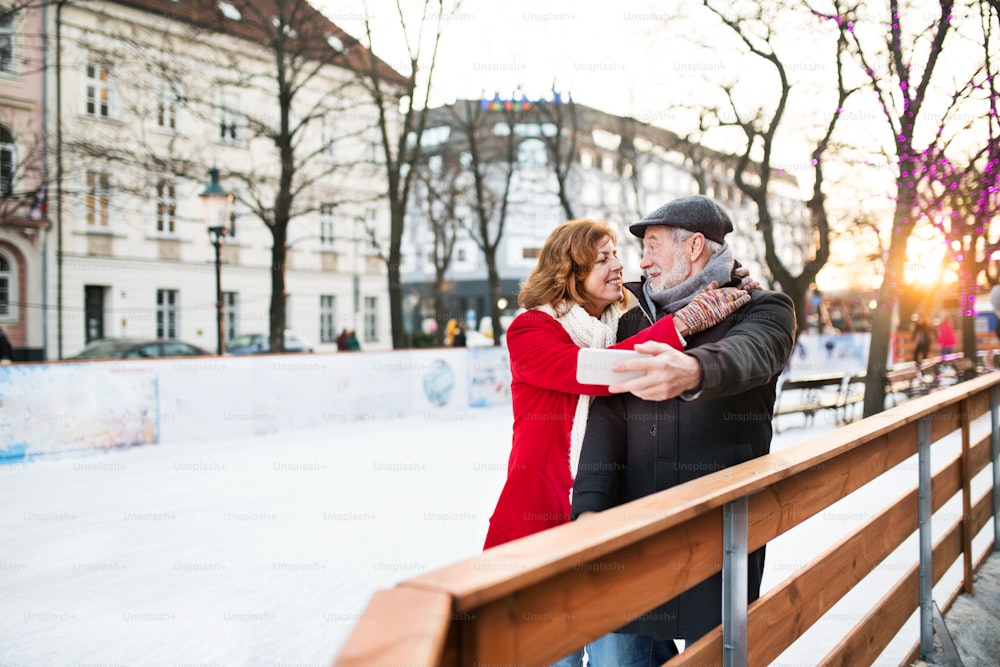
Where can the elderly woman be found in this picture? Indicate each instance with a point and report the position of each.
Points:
(573, 299)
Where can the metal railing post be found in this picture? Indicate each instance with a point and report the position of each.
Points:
(924, 511)
(995, 456)
(735, 539)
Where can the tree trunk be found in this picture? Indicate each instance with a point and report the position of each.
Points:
(395, 284)
(279, 255)
(796, 291)
(494, 288)
(969, 348)
(968, 272)
(878, 352)
(882, 320)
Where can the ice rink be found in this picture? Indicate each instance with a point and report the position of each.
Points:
(265, 551)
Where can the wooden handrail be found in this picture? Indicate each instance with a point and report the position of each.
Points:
(536, 599)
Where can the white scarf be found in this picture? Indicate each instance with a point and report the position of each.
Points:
(586, 331)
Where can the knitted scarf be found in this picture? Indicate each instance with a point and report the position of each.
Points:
(586, 331)
(719, 269)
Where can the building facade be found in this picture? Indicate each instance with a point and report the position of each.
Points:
(147, 97)
(24, 234)
(607, 167)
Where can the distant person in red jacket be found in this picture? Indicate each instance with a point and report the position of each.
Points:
(573, 299)
(946, 337)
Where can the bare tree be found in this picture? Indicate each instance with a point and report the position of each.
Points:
(562, 143)
(899, 67)
(492, 165)
(961, 197)
(305, 72)
(402, 116)
(302, 45)
(760, 127)
(441, 194)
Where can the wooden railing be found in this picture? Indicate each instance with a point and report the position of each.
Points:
(534, 600)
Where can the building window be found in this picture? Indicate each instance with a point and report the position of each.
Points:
(98, 199)
(230, 315)
(6, 162)
(531, 253)
(327, 226)
(229, 104)
(7, 42)
(532, 154)
(371, 319)
(98, 91)
(167, 101)
(6, 288)
(327, 318)
(166, 207)
(167, 313)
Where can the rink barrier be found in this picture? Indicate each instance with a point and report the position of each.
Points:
(85, 407)
(536, 599)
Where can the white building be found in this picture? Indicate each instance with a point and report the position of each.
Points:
(617, 170)
(146, 97)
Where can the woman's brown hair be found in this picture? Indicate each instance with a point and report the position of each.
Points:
(566, 258)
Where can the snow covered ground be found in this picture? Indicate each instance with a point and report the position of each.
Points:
(265, 551)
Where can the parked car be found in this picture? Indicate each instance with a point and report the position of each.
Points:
(139, 348)
(261, 344)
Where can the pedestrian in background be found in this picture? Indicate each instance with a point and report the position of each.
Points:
(342, 340)
(923, 336)
(459, 338)
(946, 336)
(6, 349)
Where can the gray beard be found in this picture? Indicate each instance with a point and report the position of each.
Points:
(669, 299)
(678, 274)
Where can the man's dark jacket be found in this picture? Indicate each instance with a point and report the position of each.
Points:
(634, 447)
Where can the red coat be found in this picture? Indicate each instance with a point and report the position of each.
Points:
(544, 394)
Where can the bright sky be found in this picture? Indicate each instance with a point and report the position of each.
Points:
(599, 51)
(630, 57)
(643, 59)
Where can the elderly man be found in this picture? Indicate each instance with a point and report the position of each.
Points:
(694, 412)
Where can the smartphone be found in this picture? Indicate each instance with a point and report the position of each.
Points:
(593, 365)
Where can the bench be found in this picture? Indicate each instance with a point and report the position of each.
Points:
(953, 368)
(906, 379)
(837, 392)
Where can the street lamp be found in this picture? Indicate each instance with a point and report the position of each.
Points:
(217, 204)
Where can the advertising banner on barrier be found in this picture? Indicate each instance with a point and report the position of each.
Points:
(64, 408)
(826, 354)
(61, 407)
(488, 370)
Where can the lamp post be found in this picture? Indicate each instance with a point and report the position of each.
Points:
(217, 204)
